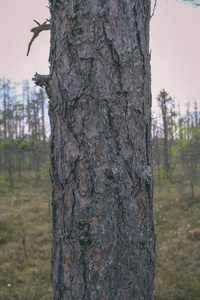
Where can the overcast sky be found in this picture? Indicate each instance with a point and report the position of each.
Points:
(175, 46)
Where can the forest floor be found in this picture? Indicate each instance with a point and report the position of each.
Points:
(25, 241)
(177, 225)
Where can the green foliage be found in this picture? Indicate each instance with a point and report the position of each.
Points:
(21, 221)
(19, 145)
(4, 185)
(44, 169)
(163, 97)
(159, 173)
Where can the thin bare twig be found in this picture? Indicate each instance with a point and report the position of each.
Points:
(154, 8)
(36, 31)
(194, 2)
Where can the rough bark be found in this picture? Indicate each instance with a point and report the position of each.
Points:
(102, 183)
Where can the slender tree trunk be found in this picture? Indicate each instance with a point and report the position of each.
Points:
(166, 150)
(5, 118)
(196, 114)
(10, 166)
(19, 161)
(4, 110)
(170, 160)
(43, 116)
(103, 232)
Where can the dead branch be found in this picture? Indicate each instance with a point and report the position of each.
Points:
(43, 81)
(194, 2)
(154, 8)
(36, 31)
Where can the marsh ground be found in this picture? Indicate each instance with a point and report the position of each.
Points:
(25, 241)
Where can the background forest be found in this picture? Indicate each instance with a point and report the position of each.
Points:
(25, 195)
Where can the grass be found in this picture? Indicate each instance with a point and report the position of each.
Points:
(25, 241)
(178, 243)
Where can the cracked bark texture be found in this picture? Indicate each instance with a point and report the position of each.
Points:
(102, 182)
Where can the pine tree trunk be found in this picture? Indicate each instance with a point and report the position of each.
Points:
(102, 183)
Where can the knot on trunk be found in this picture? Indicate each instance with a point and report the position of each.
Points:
(43, 81)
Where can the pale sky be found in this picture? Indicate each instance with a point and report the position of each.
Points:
(175, 46)
(16, 21)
